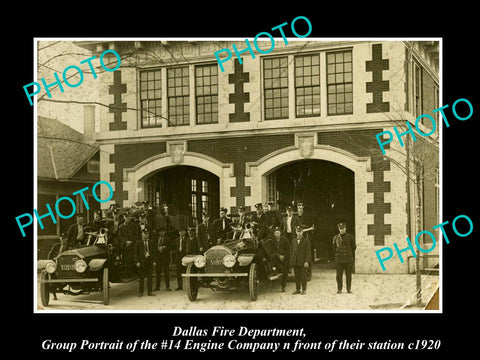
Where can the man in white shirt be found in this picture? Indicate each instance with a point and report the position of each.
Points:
(290, 223)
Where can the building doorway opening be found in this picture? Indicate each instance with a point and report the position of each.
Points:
(327, 191)
(188, 191)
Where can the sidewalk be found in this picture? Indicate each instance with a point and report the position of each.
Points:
(370, 292)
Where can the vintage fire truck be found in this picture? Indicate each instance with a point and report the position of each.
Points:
(237, 263)
(83, 270)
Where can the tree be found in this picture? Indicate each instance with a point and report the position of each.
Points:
(417, 156)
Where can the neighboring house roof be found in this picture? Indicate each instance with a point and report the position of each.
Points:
(61, 150)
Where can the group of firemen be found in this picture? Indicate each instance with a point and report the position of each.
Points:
(144, 238)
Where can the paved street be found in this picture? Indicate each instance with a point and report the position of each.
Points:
(370, 292)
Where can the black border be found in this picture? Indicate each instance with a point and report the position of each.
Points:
(460, 77)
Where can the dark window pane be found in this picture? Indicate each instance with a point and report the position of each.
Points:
(339, 72)
(307, 74)
(206, 90)
(150, 96)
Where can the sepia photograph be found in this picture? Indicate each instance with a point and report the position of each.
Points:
(281, 173)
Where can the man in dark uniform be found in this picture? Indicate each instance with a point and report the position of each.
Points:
(205, 236)
(242, 218)
(163, 260)
(344, 249)
(281, 255)
(300, 259)
(75, 233)
(274, 215)
(166, 217)
(143, 223)
(144, 251)
(238, 223)
(222, 227)
(307, 222)
(262, 222)
(192, 243)
(181, 250)
(122, 236)
(113, 226)
(158, 222)
(150, 213)
(129, 234)
(98, 222)
(289, 224)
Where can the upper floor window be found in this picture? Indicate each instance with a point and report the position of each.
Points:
(206, 88)
(178, 96)
(307, 85)
(276, 88)
(151, 98)
(339, 82)
(417, 89)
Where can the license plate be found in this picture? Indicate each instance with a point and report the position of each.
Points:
(216, 262)
(67, 267)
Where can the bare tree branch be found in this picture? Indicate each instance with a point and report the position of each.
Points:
(103, 105)
(47, 46)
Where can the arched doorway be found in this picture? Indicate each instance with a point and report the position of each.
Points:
(327, 191)
(187, 190)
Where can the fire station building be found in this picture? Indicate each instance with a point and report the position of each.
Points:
(295, 125)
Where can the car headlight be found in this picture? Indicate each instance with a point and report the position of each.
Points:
(80, 266)
(229, 261)
(50, 267)
(199, 261)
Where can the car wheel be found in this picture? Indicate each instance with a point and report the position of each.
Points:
(192, 284)
(44, 289)
(105, 289)
(253, 282)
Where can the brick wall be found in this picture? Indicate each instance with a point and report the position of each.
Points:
(127, 156)
(239, 151)
(363, 143)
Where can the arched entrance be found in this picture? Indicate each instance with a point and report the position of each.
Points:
(333, 163)
(187, 190)
(189, 183)
(327, 191)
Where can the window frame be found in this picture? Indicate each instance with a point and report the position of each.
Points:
(158, 119)
(417, 102)
(211, 95)
(312, 95)
(185, 105)
(280, 88)
(344, 83)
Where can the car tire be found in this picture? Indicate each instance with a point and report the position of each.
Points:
(106, 288)
(44, 289)
(191, 284)
(253, 282)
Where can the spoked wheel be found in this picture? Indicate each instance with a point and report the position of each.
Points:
(44, 289)
(192, 284)
(253, 282)
(105, 288)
